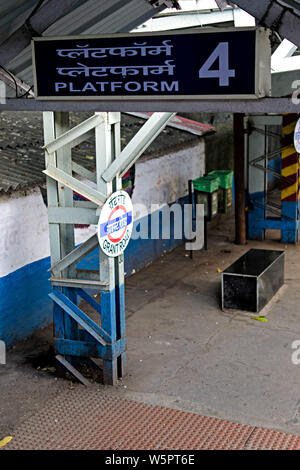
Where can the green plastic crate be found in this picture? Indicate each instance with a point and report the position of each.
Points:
(206, 184)
(225, 178)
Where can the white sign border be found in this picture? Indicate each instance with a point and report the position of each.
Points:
(262, 76)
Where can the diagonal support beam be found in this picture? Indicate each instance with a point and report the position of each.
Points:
(280, 58)
(72, 183)
(80, 170)
(11, 80)
(44, 17)
(284, 50)
(76, 255)
(287, 65)
(274, 15)
(72, 370)
(138, 144)
(81, 318)
(71, 136)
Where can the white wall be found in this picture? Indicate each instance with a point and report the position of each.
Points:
(23, 230)
(163, 180)
(24, 236)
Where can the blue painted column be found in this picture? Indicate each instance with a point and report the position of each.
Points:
(111, 269)
(109, 324)
(113, 322)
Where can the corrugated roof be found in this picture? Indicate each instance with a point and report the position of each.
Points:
(21, 154)
(13, 14)
(22, 157)
(90, 17)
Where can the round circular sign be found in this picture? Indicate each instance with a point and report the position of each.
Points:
(297, 136)
(115, 224)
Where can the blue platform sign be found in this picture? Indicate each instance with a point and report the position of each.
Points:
(232, 63)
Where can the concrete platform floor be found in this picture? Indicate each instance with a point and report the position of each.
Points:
(183, 351)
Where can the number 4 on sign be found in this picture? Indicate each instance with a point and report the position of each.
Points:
(221, 52)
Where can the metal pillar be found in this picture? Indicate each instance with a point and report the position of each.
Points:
(76, 335)
(111, 269)
(239, 172)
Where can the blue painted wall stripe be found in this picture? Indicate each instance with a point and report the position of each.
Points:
(25, 305)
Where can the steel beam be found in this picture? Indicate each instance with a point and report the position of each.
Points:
(263, 105)
(103, 146)
(284, 50)
(138, 144)
(11, 80)
(69, 137)
(81, 318)
(104, 156)
(74, 372)
(52, 196)
(65, 195)
(76, 255)
(82, 138)
(288, 64)
(274, 16)
(187, 20)
(81, 171)
(72, 215)
(85, 205)
(78, 283)
(72, 183)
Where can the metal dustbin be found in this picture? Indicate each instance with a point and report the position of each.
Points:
(225, 178)
(206, 192)
(250, 282)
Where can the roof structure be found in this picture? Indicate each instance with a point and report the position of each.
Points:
(22, 158)
(21, 20)
(282, 16)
